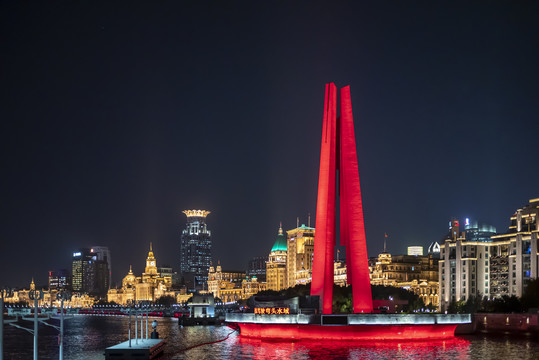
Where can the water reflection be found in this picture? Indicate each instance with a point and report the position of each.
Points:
(87, 337)
(451, 349)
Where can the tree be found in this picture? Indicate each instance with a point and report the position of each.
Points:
(166, 300)
(342, 299)
(530, 298)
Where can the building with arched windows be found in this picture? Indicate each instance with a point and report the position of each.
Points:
(150, 286)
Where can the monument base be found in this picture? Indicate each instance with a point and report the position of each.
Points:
(352, 327)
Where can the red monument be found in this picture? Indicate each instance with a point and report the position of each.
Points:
(338, 157)
(283, 319)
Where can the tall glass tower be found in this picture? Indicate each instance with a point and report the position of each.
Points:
(195, 250)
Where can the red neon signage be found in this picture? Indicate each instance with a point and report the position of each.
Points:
(272, 311)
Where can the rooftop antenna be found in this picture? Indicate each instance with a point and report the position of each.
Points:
(297, 222)
(338, 252)
(385, 238)
(309, 220)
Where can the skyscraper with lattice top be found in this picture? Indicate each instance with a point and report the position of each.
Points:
(195, 250)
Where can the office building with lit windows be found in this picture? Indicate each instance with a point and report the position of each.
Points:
(195, 250)
(89, 275)
(514, 256)
(83, 275)
(299, 259)
(464, 263)
(478, 262)
(59, 279)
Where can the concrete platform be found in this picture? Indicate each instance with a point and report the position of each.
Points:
(349, 327)
(145, 349)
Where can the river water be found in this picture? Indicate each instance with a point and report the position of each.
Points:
(87, 336)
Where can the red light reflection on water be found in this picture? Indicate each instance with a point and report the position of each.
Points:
(456, 348)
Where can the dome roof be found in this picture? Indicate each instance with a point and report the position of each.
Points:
(130, 276)
(280, 242)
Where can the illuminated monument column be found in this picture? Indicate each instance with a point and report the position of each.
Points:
(338, 152)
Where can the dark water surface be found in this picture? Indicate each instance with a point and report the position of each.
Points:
(86, 337)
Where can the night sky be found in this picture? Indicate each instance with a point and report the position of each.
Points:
(116, 117)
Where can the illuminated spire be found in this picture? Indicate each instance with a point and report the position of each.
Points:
(280, 228)
(150, 253)
(130, 270)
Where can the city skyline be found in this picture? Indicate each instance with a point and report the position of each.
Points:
(112, 125)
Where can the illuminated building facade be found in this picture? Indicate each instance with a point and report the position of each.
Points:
(257, 267)
(195, 250)
(89, 274)
(339, 273)
(465, 263)
(49, 298)
(168, 271)
(299, 259)
(415, 250)
(59, 279)
(418, 274)
(219, 280)
(276, 274)
(230, 286)
(514, 256)
(248, 287)
(150, 286)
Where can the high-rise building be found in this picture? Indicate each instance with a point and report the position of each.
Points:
(299, 259)
(103, 254)
(195, 250)
(257, 268)
(83, 274)
(276, 276)
(89, 275)
(59, 279)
